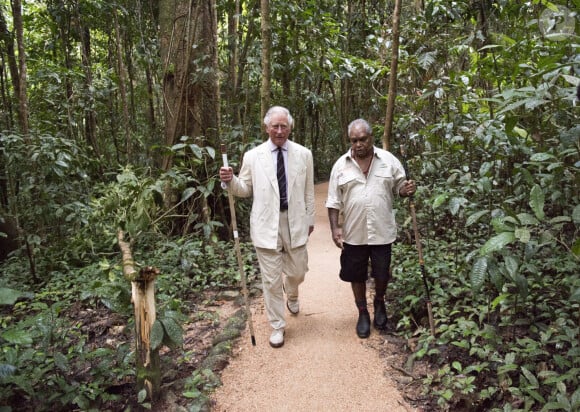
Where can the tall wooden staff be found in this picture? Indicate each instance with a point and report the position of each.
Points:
(418, 244)
(238, 251)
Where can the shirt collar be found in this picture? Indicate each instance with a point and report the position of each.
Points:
(349, 153)
(273, 147)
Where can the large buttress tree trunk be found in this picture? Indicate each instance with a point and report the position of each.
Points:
(188, 40)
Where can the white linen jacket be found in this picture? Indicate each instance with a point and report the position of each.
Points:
(257, 177)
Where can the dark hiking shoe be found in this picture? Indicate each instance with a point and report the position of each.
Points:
(363, 326)
(380, 320)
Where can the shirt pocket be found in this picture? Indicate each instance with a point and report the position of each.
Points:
(346, 178)
(384, 178)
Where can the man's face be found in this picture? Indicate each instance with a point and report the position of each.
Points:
(278, 129)
(361, 142)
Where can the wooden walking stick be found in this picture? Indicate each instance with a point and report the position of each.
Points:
(418, 245)
(239, 252)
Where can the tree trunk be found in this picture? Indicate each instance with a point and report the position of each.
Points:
(392, 78)
(21, 91)
(90, 114)
(233, 25)
(143, 298)
(123, 88)
(188, 45)
(266, 53)
(9, 54)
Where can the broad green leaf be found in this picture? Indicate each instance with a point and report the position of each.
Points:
(9, 296)
(522, 285)
(173, 332)
(522, 234)
(513, 106)
(187, 193)
(495, 275)
(142, 395)
(530, 377)
(541, 157)
(17, 337)
(521, 132)
(6, 370)
(178, 146)
(510, 358)
(560, 219)
(474, 218)
(496, 243)
(210, 151)
(439, 200)
(537, 201)
(512, 265)
(61, 361)
(575, 297)
(527, 219)
(507, 368)
(477, 276)
(575, 81)
(536, 395)
(455, 203)
(576, 215)
(499, 300)
(500, 224)
(576, 247)
(534, 102)
(156, 335)
(196, 150)
(485, 168)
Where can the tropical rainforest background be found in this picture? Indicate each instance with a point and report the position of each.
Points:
(111, 118)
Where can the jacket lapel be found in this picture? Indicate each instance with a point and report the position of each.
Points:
(292, 166)
(266, 161)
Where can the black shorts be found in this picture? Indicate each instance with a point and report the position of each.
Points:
(354, 262)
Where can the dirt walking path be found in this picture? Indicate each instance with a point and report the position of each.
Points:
(323, 365)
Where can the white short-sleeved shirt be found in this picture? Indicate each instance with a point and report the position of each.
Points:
(366, 202)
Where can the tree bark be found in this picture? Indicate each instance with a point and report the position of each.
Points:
(392, 78)
(123, 88)
(266, 53)
(8, 40)
(188, 40)
(233, 24)
(90, 114)
(21, 91)
(143, 298)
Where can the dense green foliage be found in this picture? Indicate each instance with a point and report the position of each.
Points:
(485, 106)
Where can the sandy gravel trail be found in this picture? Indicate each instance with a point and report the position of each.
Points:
(323, 365)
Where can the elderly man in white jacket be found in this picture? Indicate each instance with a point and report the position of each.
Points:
(279, 174)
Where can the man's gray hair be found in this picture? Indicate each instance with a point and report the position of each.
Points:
(360, 123)
(278, 109)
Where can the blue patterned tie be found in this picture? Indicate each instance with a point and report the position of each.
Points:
(282, 181)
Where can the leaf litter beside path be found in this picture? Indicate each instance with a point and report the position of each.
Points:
(192, 372)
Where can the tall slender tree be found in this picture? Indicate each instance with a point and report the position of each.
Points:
(266, 55)
(392, 78)
(22, 72)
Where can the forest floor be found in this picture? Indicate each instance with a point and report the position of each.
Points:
(322, 366)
